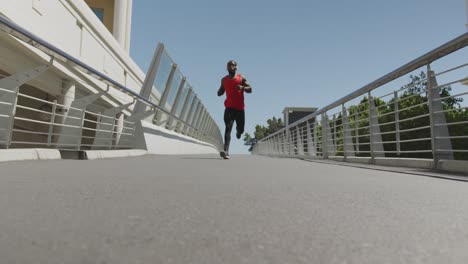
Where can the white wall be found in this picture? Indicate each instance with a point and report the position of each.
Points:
(72, 26)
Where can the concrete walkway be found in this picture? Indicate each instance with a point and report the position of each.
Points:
(201, 209)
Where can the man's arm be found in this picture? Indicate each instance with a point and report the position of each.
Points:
(245, 86)
(221, 89)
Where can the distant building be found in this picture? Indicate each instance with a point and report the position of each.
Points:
(293, 114)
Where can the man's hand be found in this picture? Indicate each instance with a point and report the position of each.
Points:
(240, 87)
(221, 89)
(246, 86)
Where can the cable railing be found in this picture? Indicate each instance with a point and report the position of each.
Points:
(410, 113)
(66, 104)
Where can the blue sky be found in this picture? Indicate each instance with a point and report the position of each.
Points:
(294, 53)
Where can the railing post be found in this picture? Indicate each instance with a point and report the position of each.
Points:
(325, 126)
(112, 134)
(183, 113)
(165, 94)
(300, 142)
(83, 114)
(315, 138)
(343, 128)
(273, 152)
(196, 124)
(371, 127)
(194, 120)
(431, 116)
(209, 127)
(397, 123)
(12, 120)
(375, 138)
(271, 149)
(64, 102)
(311, 149)
(278, 144)
(348, 149)
(71, 129)
(334, 132)
(188, 120)
(440, 135)
(200, 123)
(204, 124)
(51, 123)
(282, 144)
(149, 79)
(176, 103)
(104, 137)
(356, 129)
(331, 146)
(119, 128)
(292, 146)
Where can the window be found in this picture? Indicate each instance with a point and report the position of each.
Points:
(99, 12)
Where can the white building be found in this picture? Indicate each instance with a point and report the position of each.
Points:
(85, 98)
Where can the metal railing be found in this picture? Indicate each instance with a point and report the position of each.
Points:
(411, 112)
(88, 110)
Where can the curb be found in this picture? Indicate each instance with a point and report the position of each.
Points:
(29, 154)
(107, 154)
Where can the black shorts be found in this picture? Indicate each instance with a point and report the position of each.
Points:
(231, 115)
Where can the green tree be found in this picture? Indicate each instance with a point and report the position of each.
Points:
(414, 122)
(413, 114)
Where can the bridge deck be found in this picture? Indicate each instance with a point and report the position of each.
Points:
(201, 209)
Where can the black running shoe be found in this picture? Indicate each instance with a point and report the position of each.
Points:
(224, 154)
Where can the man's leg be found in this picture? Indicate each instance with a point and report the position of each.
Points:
(229, 122)
(240, 123)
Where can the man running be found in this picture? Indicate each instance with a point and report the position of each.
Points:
(234, 85)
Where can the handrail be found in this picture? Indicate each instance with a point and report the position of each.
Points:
(442, 51)
(30, 38)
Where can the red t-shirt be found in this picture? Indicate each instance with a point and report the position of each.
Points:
(234, 97)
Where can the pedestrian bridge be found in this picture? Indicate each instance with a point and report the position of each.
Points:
(414, 116)
(250, 209)
(376, 176)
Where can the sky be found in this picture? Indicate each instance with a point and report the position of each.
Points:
(296, 53)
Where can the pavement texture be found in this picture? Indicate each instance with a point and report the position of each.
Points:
(250, 209)
(405, 170)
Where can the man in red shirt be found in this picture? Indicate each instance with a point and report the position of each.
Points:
(234, 85)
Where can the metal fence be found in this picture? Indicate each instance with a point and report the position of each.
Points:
(412, 112)
(66, 104)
